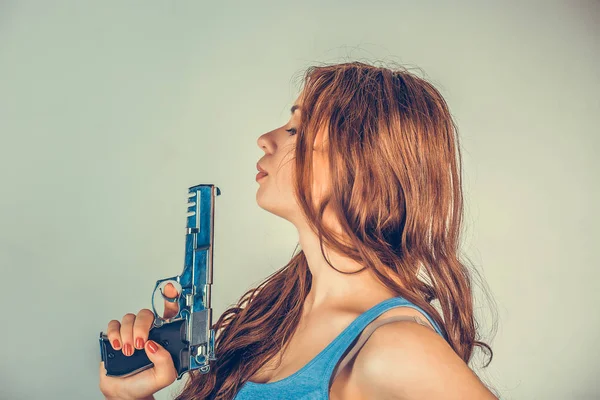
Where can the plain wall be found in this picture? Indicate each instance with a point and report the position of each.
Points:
(110, 110)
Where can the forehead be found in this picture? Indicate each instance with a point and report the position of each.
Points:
(299, 98)
(296, 108)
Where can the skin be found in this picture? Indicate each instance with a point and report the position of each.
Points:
(401, 360)
(143, 385)
(276, 195)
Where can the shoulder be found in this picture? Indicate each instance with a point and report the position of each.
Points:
(406, 360)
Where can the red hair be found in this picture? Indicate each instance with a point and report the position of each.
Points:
(395, 171)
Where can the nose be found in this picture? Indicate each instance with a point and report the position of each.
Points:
(265, 142)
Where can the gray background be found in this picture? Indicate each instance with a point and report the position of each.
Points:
(110, 110)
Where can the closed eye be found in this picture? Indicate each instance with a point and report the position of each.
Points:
(292, 131)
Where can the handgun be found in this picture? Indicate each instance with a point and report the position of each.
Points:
(182, 324)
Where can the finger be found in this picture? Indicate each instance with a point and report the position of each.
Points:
(141, 327)
(171, 309)
(113, 333)
(127, 333)
(164, 368)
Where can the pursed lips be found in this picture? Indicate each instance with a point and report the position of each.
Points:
(259, 168)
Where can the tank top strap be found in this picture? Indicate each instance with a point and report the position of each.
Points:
(312, 381)
(340, 345)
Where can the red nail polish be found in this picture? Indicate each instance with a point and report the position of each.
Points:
(152, 346)
(139, 343)
(115, 344)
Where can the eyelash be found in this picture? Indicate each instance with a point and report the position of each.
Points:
(291, 130)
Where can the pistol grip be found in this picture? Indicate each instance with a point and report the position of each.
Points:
(170, 336)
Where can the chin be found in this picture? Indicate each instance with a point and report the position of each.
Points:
(274, 207)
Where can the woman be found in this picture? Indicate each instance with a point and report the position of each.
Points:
(368, 170)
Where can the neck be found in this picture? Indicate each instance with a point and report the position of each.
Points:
(332, 288)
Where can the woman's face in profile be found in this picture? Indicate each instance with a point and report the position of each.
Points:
(276, 190)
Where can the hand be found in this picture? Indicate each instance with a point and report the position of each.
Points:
(143, 384)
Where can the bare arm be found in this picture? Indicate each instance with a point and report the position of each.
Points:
(407, 361)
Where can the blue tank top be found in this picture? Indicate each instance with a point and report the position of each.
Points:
(311, 382)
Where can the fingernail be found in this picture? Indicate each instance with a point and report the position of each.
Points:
(139, 343)
(152, 346)
(128, 350)
(115, 344)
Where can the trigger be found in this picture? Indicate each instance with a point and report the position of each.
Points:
(170, 300)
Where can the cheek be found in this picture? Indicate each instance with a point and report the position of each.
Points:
(284, 179)
(285, 173)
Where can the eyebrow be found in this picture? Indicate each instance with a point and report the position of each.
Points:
(294, 108)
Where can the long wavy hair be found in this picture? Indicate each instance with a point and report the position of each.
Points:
(395, 170)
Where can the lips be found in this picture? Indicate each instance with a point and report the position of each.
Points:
(259, 168)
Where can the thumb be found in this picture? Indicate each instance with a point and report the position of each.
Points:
(164, 369)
